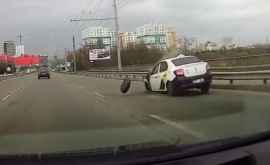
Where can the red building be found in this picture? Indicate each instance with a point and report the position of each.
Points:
(24, 60)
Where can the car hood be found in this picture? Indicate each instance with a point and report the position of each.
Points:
(53, 142)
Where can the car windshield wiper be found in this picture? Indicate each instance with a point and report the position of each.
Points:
(106, 151)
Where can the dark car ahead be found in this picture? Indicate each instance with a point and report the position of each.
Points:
(43, 72)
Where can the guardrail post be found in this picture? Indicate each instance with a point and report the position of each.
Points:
(231, 82)
(265, 81)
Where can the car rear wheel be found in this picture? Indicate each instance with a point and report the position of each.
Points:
(171, 89)
(205, 89)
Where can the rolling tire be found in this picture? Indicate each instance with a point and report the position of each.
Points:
(171, 90)
(125, 86)
(147, 86)
(205, 89)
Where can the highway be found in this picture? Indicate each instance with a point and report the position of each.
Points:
(71, 112)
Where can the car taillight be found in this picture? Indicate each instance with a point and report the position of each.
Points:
(179, 72)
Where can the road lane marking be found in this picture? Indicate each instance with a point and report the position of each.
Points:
(99, 95)
(81, 87)
(177, 126)
(5, 98)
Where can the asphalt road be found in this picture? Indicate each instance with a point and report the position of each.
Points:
(70, 112)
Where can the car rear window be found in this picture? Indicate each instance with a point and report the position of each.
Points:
(43, 69)
(184, 61)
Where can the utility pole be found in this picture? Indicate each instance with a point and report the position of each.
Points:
(117, 35)
(74, 54)
(115, 18)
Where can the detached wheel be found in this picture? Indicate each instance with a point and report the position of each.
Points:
(205, 89)
(147, 86)
(171, 89)
(125, 86)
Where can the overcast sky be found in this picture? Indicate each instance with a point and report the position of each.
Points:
(46, 27)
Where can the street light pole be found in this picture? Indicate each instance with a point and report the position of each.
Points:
(74, 54)
(117, 35)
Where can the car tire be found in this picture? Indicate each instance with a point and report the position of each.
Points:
(205, 89)
(125, 86)
(38, 77)
(171, 90)
(147, 86)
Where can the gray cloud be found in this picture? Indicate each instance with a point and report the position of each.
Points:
(46, 26)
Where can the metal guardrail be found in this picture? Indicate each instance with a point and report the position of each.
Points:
(263, 76)
(10, 76)
(5, 77)
(145, 68)
(120, 75)
(237, 58)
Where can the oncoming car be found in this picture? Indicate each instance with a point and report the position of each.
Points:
(174, 75)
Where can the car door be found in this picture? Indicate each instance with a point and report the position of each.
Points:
(163, 68)
(155, 78)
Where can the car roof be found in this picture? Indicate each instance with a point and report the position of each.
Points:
(174, 58)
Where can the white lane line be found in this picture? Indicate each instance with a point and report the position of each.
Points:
(99, 95)
(12, 93)
(177, 126)
(81, 87)
(5, 98)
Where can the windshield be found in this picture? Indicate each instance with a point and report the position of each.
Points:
(184, 61)
(91, 74)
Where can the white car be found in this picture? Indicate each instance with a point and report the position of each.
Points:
(174, 75)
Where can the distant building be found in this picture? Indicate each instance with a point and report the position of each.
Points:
(1, 48)
(228, 43)
(9, 48)
(152, 35)
(99, 37)
(171, 39)
(193, 44)
(128, 39)
(19, 50)
(189, 44)
(211, 46)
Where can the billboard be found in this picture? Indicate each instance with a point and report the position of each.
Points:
(99, 54)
